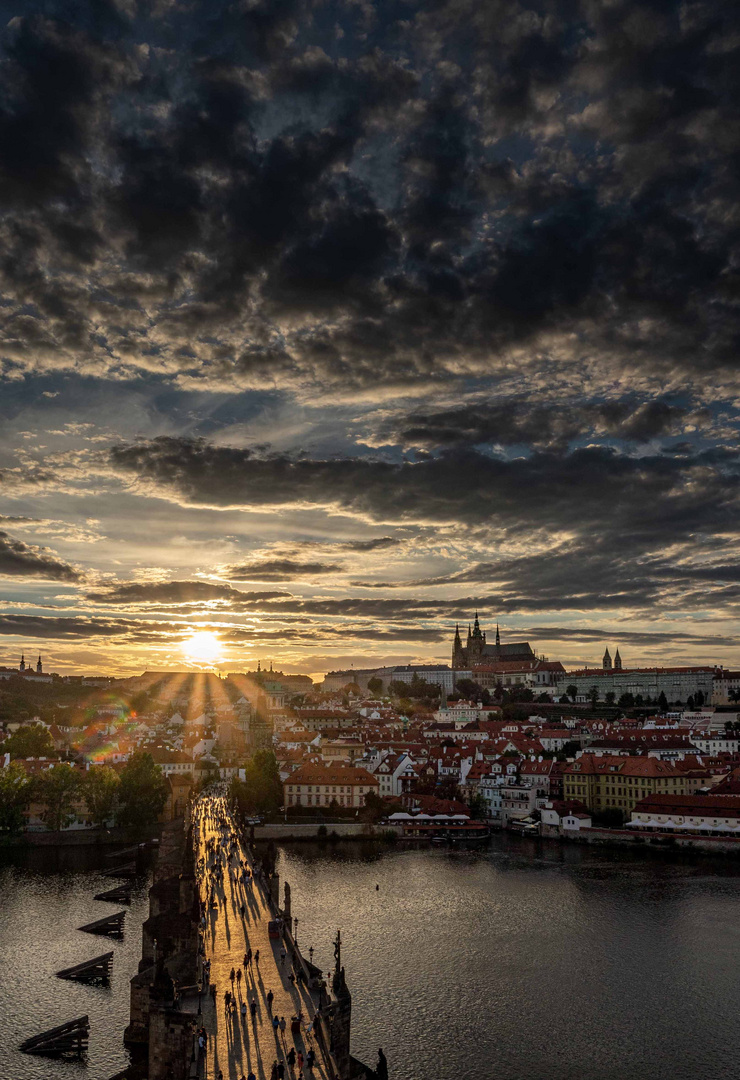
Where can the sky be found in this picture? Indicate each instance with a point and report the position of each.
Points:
(325, 324)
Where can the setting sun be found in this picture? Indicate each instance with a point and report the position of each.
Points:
(203, 647)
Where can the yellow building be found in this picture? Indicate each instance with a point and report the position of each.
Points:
(619, 782)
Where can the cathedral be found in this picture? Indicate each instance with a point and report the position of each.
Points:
(477, 651)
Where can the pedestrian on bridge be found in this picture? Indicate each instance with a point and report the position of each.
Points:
(239, 977)
(270, 997)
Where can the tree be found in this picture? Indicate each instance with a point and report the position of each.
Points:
(626, 700)
(57, 789)
(31, 740)
(690, 702)
(374, 808)
(477, 807)
(261, 791)
(639, 700)
(142, 792)
(375, 685)
(594, 695)
(100, 792)
(734, 695)
(662, 702)
(565, 700)
(609, 697)
(520, 693)
(15, 792)
(699, 699)
(572, 691)
(473, 691)
(398, 688)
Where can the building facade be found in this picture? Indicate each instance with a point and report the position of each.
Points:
(678, 684)
(619, 783)
(320, 785)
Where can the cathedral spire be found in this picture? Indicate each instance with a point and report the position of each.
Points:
(498, 636)
(606, 663)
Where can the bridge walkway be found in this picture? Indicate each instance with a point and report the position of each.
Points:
(237, 1045)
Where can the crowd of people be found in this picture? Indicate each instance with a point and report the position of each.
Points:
(223, 863)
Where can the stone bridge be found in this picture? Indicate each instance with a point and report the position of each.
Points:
(202, 910)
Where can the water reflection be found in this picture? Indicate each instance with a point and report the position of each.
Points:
(529, 959)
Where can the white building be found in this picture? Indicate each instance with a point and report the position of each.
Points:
(395, 774)
(678, 684)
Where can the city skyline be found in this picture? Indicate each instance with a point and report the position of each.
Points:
(325, 325)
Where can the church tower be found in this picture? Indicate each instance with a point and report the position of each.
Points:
(617, 661)
(606, 663)
(476, 644)
(39, 668)
(22, 665)
(458, 658)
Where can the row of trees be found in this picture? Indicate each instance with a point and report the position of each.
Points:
(629, 701)
(133, 797)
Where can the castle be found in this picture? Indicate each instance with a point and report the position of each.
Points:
(476, 651)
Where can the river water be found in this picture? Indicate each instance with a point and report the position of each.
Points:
(529, 960)
(45, 894)
(526, 960)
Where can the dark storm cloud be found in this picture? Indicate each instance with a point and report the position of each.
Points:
(242, 194)
(175, 592)
(652, 495)
(618, 513)
(76, 627)
(379, 543)
(321, 635)
(279, 570)
(520, 421)
(631, 637)
(20, 560)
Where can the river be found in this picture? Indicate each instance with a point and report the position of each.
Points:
(525, 960)
(45, 894)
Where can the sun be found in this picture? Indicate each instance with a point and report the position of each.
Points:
(202, 647)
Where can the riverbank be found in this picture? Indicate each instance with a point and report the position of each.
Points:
(80, 837)
(724, 846)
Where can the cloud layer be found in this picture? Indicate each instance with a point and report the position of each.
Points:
(401, 309)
